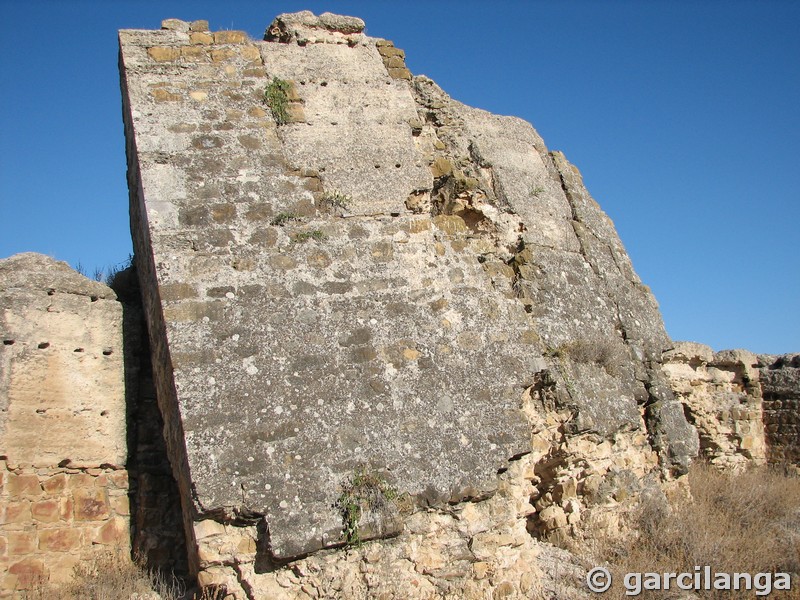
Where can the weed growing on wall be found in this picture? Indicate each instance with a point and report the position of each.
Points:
(365, 491)
(276, 95)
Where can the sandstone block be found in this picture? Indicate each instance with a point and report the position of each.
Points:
(199, 25)
(23, 485)
(46, 511)
(16, 512)
(175, 25)
(164, 53)
(56, 484)
(25, 574)
(162, 95)
(230, 37)
(90, 505)
(21, 542)
(114, 533)
(59, 540)
(399, 73)
(203, 39)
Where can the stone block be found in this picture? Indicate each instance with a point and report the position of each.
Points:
(90, 505)
(162, 95)
(231, 37)
(399, 73)
(175, 25)
(23, 485)
(204, 39)
(46, 511)
(113, 533)
(120, 505)
(55, 485)
(194, 54)
(59, 540)
(252, 54)
(15, 512)
(198, 26)
(222, 54)
(163, 53)
(21, 542)
(25, 574)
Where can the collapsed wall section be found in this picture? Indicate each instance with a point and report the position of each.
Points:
(745, 406)
(362, 280)
(63, 483)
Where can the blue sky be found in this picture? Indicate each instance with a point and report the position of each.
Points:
(684, 118)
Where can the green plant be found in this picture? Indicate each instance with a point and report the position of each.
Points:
(364, 491)
(535, 191)
(304, 236)
(282, 218)
(276, 95)
(335, 199)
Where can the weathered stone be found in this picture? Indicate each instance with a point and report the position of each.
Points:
(230, 37)
(59, 540)
(356, 341)
(175, 25)
(63, 375)
(164, 53)
(90, 505)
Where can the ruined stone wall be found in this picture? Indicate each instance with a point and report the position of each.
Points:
(63, 482)
(744, 406)
(365, 287)
(779, 377)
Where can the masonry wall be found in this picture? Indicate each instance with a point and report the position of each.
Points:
(63, 482)
(780, 388)
(746, 407)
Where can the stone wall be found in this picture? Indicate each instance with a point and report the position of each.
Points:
(779, 377)
(744, 406)
(63, 482)
(374, 311)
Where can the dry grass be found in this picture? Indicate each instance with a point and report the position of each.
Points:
(746, 523)
(110, 577)
(600, 351)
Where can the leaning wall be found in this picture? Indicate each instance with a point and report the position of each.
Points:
(364, 292)
(63, 481)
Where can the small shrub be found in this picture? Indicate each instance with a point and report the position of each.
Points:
(304, 236)
(599, 351)
(282, 218)
(335, 199)
(365, 491)
(536, 191)
(276, 95)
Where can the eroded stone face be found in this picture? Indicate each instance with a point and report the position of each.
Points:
(365, 274)
(61, 368)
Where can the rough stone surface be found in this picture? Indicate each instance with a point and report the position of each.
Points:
(745, 407)
(382, 280)
(779, 377)
(63, 484)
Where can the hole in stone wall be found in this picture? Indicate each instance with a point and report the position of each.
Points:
(43, 345)
(397, 165)
(93, 298)
(104, 413)
(107, 352)
(41, 411)
(323, 83)
(78, 350)
(8, 342)
(50, 292)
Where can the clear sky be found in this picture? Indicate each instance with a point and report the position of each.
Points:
(683, 116)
